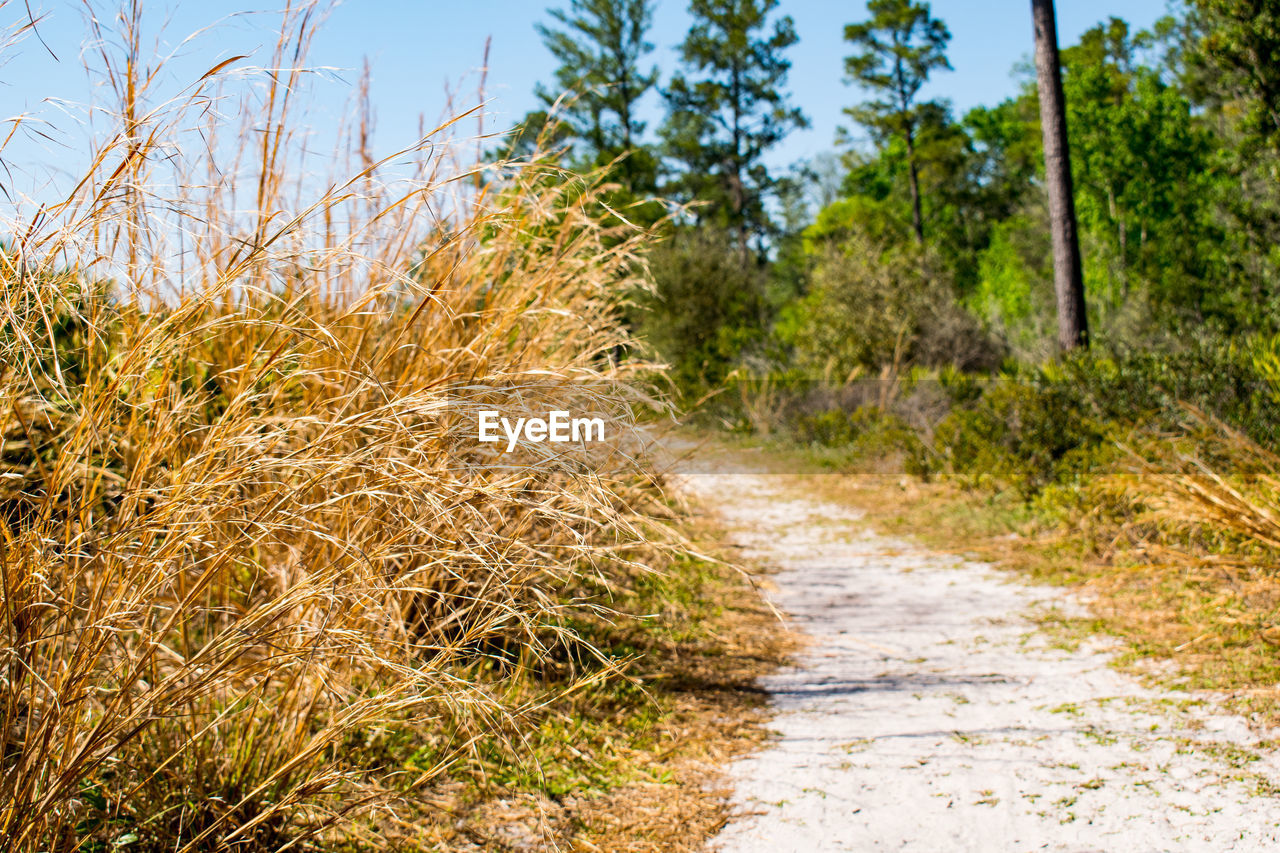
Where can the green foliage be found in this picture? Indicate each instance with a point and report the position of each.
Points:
(1241, 43)
(1015, 284)
(707, 308)
(1225, 379)
(898, 47)
(1045, 434)
(727, 108)
(1006, 142)
(789, 272)
(869, 425)
(1022, 434)
(873, 306)
(1228, 64)
(866, 434)
(1266, 360)
(600, 45)
(864, 309)
(1059, 425)
(847, 218)
(1140, 163)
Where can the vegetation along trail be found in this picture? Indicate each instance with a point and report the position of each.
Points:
(927, 710)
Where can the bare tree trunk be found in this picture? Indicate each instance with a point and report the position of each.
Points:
(1068, 281)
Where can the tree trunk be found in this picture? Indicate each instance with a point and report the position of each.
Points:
(917, 220)
(738, 195)
(1068, 281)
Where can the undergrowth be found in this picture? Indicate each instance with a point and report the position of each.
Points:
(1149, 480)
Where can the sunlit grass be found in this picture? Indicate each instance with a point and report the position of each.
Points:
(244, 522)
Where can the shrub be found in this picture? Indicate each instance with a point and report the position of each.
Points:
(1020, 434)
(707, 307)
(867, 436)
(872, 307)
(1059, 423)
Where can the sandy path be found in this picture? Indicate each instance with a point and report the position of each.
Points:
(927, 712)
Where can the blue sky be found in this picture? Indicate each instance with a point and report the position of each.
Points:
(418, 46)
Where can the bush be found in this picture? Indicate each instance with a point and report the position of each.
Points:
(707, 307)
(1057, 424)
(873, 307)
(1020, 434)
(868, 434)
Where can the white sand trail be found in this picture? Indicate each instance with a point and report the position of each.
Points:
(927, 713)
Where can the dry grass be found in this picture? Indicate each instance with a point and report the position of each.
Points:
(636, 765)
(247, 538)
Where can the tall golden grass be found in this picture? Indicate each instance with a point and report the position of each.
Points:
(244, 522)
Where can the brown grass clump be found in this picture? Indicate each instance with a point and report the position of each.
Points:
(246, 532)
(1223, 483)
(1201, 540)
(636, 764)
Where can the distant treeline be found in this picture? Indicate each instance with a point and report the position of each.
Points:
(923, 238)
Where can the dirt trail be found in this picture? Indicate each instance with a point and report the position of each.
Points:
(928, 713)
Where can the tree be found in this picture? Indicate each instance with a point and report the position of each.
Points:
(875, 305)
(728, 108)
(900, 45)
(1242, 43)
(1068, 278)
(706, 307)
(600, 45)
(1140, 168)
(1006, 144)
(1233, 72)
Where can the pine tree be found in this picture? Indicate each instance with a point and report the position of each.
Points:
(601, 46)
(728, 108)
(899, 46)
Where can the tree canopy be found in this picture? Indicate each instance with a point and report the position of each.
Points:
(898, 47)
(727, 106)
